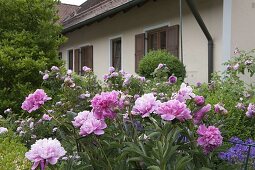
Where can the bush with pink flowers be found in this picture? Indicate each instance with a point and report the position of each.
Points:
(128, 122)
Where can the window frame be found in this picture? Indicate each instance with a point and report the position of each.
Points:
(111, 40)
(158, 32)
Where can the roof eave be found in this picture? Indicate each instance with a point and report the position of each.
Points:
(102, 16)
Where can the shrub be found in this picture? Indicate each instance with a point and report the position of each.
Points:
(24, 47)
(154, 58)
(12, 153)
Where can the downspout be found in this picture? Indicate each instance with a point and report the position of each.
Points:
(202, 25)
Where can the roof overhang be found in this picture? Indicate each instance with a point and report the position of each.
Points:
(106, 14)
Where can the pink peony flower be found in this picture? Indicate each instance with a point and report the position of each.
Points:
(54, 68)
(199, 115)
(210, 138)
(45, 77)
(105, 104)
(92, 125)
(218, 108)
(173, 109)
(111, 69)
(86, 69)
(145, 105)
(81, 118)
(160, 66)
(45, 151)
(172, 79)
(114, 74)
(35, 101)
(3, 130)
(240, 106)
(248, 62)
(8, 111)
(250, 110)
(69, 72)
(46, 117)
(236, 66)
(184, 93)
(106, 77)
(199, 100)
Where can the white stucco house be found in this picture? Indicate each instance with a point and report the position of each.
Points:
(201, 33)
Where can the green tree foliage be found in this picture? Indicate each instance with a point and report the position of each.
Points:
(29, 41)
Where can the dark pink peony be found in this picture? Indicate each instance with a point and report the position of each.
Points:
(35, 101)
(105, 104)
(210, 138)
(199, 115)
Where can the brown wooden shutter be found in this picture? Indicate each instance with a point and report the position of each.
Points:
(76, 60)
(87, 57)
(70, 59)
(139, 49)
(172, 40)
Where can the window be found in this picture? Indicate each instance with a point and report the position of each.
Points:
(116, 53)
(157, 39)
(80, 57)
(162, 38)
(70, 59)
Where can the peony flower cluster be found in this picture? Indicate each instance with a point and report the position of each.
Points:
(145, 105)
(35, 101)
(250, 110)
(105, 104)
(199, 115)
(88, 124)
(185, 93)
(45, 151)
(210, 138)
(173, 109)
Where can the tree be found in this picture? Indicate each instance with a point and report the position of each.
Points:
(29, 42)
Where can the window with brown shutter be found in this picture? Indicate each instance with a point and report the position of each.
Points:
(70, 59)
(157, 39)
(116, 53)
(87, 57)
(164, 38)
(139, 49)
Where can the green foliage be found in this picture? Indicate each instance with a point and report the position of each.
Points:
(154, 58)
(229, 90)
(29, 41)
(12, 153)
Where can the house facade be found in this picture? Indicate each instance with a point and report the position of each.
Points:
(103, 33)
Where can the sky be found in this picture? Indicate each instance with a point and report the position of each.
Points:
(74, 2)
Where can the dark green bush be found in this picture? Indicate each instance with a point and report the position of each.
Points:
(151, 61)
(29, 41)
